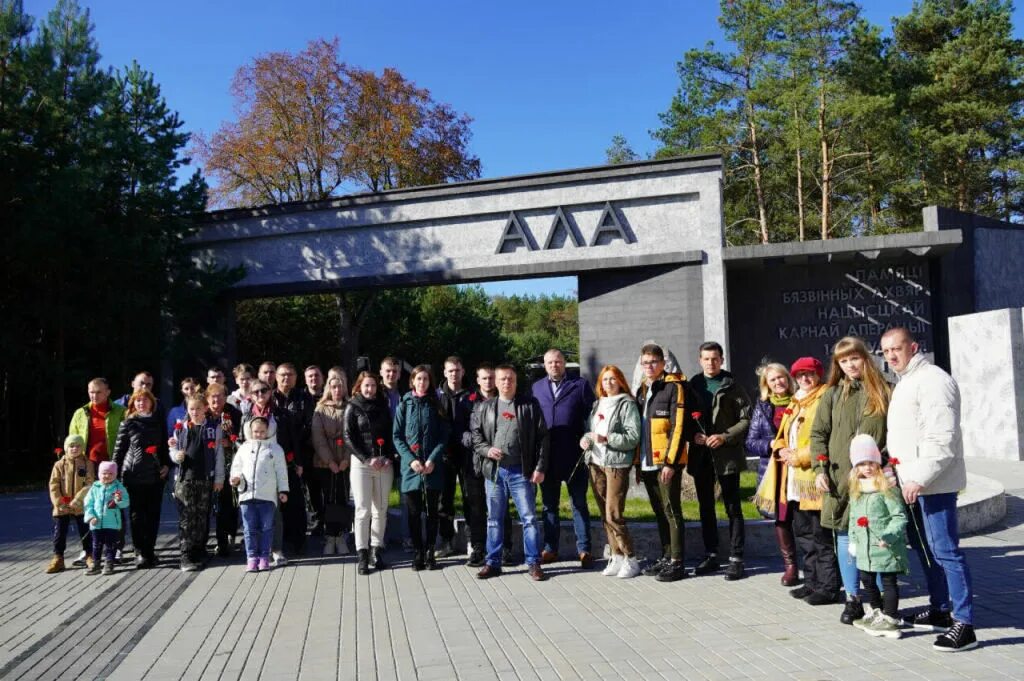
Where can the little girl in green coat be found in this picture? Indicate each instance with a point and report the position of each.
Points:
(878, 523)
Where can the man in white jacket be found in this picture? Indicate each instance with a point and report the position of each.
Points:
(926, 449)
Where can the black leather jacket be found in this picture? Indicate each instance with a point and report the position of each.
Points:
(533, 435)
(135, 465)
(366, 422)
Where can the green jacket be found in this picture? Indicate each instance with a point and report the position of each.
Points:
(420, 433)
(730, 417)
(623, 432)
(836, 422)
(80, 425)
(886, 520)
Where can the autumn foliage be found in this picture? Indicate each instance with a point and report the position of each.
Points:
(308, 125)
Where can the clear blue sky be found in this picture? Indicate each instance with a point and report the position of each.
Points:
(547, 83)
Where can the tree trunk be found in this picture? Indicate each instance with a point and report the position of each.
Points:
(762, 213)
(826, 169)
(799, 178)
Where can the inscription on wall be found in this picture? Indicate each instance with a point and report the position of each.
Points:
(790, 311)
(564, 230)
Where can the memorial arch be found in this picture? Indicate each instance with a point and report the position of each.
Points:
(644, 239)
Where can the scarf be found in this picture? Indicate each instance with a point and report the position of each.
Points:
(771, 493)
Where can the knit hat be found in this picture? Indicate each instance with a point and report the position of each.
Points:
(108, 466)
(74, 439)
(807, 364)
(864, 448)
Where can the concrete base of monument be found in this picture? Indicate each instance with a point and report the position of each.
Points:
(981, 504)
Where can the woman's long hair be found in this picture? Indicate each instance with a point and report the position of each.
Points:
(326, 397)
(874, 383)
(762, 379)
(882, 483)
(615, 371)
(357, 385)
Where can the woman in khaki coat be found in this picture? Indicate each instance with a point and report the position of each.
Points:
(330, 465)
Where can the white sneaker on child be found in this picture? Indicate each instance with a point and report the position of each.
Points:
(279, 559)
(630, 568)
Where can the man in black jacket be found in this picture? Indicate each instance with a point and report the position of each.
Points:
(510, 443)
(299, 406)
(457, 407)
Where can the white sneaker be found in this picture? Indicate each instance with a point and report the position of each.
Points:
(614, 565)
(278, 560)
(341, 545)
(630, 568)
(80, 561)
(469, 549)
(329, 545)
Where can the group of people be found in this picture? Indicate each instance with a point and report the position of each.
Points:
(844, 462)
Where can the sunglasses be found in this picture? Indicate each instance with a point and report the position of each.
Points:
(261, 391)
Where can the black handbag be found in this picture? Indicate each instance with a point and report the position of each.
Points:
(337, 512)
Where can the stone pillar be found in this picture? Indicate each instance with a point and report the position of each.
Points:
(620, 309)
(987, 360)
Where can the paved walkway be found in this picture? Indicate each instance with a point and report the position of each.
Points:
(317, 619)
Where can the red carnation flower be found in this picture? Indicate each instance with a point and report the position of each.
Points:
(289, 457)
(58, 451)
(862, 521)
(787, 412)
(414, 448)
(893, 461)
(380, 442)
(339, 442)
(508, 416)
(822, 458)
(151, 449)
(600, 417)
(178, 426)
(65, 500)
(657, 454)
(472, 397)
(211, 445)
(696, 415)
(233, 437)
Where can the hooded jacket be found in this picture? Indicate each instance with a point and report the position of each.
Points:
(668, 426)
(260, 464)
(97, 504)
(329, 435)
(70, 481)
(622, 428)
(878, 516)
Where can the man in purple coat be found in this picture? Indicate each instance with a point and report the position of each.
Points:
(566, 403)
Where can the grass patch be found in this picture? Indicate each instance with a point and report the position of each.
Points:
(638, 510)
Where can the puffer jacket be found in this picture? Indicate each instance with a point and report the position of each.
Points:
(838, 419)
(420, 433)
(70, 481)
(924, 428)
(761, 434)
(261, 465)
(534, 445)
(878, 516)
(280, 429)
(141, 450)
(668, 427)
(329, 435)
(97, 505)
(730, 418)
(366, 422)
(622, 428)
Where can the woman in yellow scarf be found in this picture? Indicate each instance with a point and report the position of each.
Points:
(787, 490)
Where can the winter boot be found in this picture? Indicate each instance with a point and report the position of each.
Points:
(377, 558)
(787, 546)
(56, 564)
(364, 562)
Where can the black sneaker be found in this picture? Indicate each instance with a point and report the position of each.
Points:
(801, 592)
(655, 568)
(734, 570)
(377, 558)
(959, 637)
(929, 620)
(819, 598)
(476, 559)
(507, 558)
(853, 611)
(707, 566)
(673, 571)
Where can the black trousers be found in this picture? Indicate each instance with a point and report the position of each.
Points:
(293, 512)
(417, 503)
(336, 488)
(446, 515)
(227, 517)
(61, 524)
(316, 491)
(704, 483)
(817, 550)
(144, 515)
(889, 600)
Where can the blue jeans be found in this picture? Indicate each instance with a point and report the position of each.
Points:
(848, 567)
(550, 494)
(510, 482)
(258, 521)
(945, 570)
